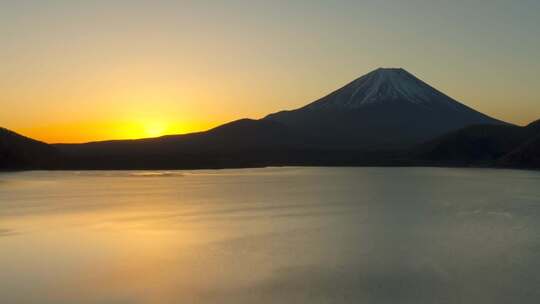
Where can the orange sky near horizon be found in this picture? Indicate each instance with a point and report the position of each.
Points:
(78, 71)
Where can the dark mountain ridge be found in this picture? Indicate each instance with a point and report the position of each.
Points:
(240, 143)
(526, 156)
(20, 152)
(487, 145)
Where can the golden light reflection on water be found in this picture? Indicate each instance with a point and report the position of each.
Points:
(276, 235)
(127, 259)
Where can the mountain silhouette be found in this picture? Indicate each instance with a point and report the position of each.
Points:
(387, 108)
(387, 117)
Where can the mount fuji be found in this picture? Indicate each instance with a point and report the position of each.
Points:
(386, 108)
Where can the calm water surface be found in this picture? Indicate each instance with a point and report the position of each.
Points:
(275, 235)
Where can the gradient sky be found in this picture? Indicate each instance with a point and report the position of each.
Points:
(75, 71)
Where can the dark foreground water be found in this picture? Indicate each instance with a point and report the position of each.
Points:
(276, 235)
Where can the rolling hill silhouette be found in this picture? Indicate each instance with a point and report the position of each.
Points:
(19, 152)
(489, 145)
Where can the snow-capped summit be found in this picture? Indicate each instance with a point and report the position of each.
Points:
(384, 85)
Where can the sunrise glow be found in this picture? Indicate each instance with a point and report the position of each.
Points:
(77, 71)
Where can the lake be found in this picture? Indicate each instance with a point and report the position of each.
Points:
(272, 235)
